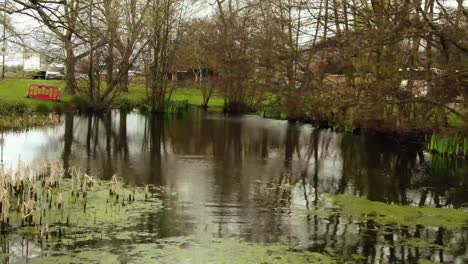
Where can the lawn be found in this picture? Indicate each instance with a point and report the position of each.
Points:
(193, 95)
(15, 90)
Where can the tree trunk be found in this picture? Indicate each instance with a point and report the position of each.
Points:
(70, 63)
(124, 81)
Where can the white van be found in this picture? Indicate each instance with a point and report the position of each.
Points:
(55, 72)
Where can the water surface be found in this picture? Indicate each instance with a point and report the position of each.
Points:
(260, 180)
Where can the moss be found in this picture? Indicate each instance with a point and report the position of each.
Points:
(362, 208)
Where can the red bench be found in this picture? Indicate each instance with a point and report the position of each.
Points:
(44, 92)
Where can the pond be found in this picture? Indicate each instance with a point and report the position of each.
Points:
(244, 179)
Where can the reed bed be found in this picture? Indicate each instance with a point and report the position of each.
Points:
(169, 107)
(272, 113)
(448, 145)
(40, 202)
(28, 121)
(176, 107)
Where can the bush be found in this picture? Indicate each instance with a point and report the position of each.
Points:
(170, 107)
(272, 113)
(59, 108)
(176, 107)
(81, 104)
(42, 108)
(125, 104)
(144, 106)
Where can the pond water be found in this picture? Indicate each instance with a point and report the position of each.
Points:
(257, 180)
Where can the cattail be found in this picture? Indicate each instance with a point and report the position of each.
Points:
(59, 200)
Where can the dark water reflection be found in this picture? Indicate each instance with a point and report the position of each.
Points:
(221, 167)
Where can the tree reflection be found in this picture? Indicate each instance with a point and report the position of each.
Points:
(247, 177)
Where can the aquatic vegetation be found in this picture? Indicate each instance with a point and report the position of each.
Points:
(420, 243)
(13, 108)
(28, 121)
(272, 113)
(361, 208)
(184, 250)
(125, 104)
(39, 203)
(170, 106)
(446, 145)
(176, 107)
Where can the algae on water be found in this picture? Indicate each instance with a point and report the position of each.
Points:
(362, 208)
(184, 250)
(45, 208)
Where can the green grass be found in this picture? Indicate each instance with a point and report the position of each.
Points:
(15, 91)
(448, 145)
(192, 95)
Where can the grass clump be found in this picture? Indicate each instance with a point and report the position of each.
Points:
(272, 113)
(176, 107)
(13, 108)
(81, 104)
(18, 116)
(450, 146)
(170, 106)
(125, 104)
(364, 209)
(43, 108)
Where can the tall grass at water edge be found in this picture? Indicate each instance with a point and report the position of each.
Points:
(448, 145)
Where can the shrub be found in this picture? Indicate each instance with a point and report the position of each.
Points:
(272, 113)
(59, 108)
(176, 107)
(81, 104)
(42, 108)
(170, 107)
(447, 145)
(125, 104)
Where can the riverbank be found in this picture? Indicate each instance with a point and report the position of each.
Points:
(13, 92)
(13, 96)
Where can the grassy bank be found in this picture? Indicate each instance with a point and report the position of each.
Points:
(14, 91)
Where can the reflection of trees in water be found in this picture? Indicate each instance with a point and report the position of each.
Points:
(445, 184)
(298, 162)
(324, 161)
(328, 162)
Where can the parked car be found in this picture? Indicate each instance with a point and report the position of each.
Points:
(52, 73)
(40, 75)
(55, 73)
